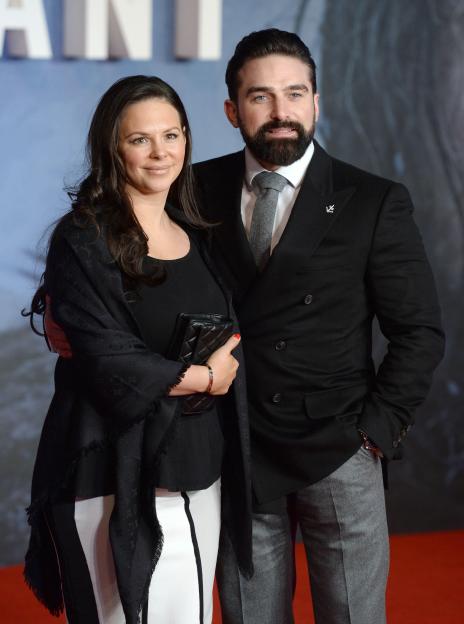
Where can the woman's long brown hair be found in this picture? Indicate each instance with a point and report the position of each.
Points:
(100, 198)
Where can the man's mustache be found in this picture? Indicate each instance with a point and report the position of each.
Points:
(274, 125)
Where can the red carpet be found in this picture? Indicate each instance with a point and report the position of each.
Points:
(426, 585)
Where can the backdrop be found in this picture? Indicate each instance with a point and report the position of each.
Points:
(391, 79)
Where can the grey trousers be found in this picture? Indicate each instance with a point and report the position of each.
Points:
(344, 528)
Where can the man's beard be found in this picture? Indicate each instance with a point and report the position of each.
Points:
(278, 151)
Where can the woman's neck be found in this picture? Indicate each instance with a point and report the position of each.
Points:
(166, 240)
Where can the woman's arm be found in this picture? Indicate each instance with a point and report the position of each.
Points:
(216, 377)
(222, 364)
(114, 366)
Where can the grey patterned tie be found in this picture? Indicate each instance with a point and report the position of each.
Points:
(267, 186)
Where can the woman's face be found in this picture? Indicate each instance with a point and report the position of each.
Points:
(151, 146)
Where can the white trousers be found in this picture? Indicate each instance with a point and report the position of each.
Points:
(182, 583)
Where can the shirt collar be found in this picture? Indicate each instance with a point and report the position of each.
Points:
(294, 172)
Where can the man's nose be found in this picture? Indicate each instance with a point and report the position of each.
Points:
(279, 109)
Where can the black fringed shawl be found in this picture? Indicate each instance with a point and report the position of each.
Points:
(111, 391)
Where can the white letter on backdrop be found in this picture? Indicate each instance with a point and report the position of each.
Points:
(25, 26)
(98, 29)
(199, 29)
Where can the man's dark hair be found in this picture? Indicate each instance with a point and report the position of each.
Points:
(264, 43)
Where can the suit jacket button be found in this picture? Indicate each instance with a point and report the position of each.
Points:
(307, 300)
(277, 397)
(279, 346)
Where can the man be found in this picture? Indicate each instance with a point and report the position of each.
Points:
(312, 255)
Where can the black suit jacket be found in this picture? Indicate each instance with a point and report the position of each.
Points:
(350, 251)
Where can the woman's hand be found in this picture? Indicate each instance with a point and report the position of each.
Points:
(223, 365)
(56, 338)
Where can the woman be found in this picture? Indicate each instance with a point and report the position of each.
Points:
(126, 488)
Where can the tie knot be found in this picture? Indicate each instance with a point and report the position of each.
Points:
(269, 180)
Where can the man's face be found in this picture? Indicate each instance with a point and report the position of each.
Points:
(276, 109)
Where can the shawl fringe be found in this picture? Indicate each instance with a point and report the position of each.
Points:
(170, 434)
(57, 610)
(179, 378)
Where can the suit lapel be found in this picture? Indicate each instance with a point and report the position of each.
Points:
(316, 209)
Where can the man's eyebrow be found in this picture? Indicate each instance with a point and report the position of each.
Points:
(297, 87)
(258, 89)
(263, 88)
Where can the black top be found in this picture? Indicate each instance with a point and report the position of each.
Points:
(193, 458)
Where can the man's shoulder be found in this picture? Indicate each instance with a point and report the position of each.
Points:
(228, 162)
(370, 188)
(350, 173)
(346, 174)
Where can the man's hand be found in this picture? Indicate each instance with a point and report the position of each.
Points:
(55, 335)
(369, 445)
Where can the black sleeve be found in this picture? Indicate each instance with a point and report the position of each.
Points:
(402, 288)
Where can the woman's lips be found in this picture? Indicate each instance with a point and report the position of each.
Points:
(157, 170)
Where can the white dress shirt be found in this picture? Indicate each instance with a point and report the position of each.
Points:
(294, 173)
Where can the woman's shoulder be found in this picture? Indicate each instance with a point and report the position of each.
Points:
(78, 253)
(77, 229)
(79, 238)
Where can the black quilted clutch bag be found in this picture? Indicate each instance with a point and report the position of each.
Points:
(196, 337)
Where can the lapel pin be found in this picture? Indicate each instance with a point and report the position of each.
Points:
(330, 208)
